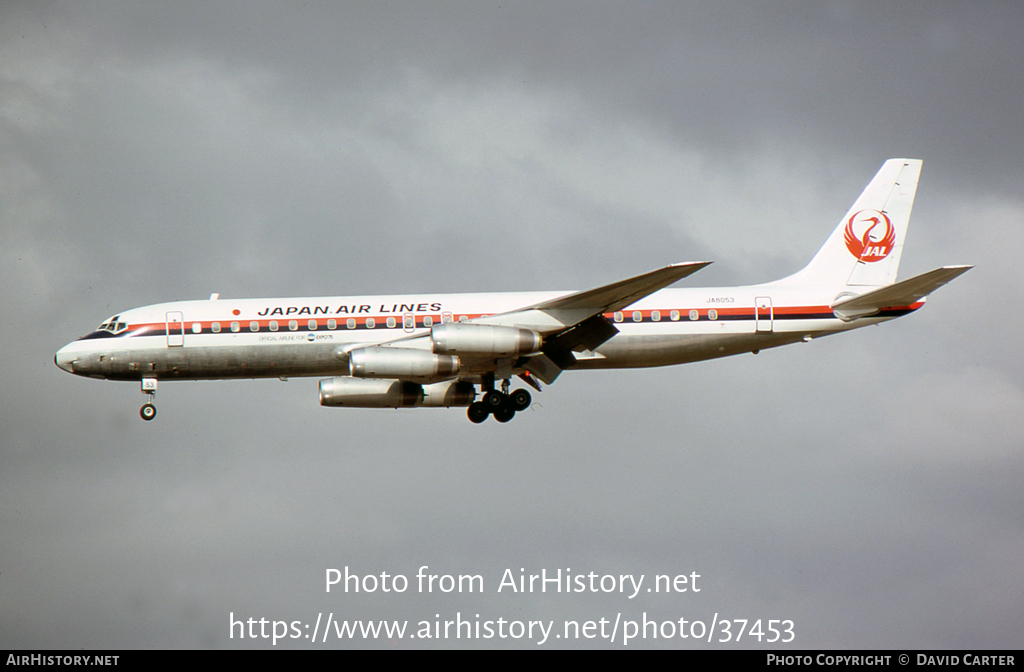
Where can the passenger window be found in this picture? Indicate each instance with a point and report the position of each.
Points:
(350, 323)
(273, 325)
(312, 325)
(428, 321)
(463, 318)
(409, 322)
(292, 325)
(638, 316)
(234, 326)
(694, 314)
(196, 328)
(674, 315)
(656, 315)
(370, 323)
(391, 323)
(215, 327)
(254, 326)
(332, 324)
(617, 317)
(712, 314)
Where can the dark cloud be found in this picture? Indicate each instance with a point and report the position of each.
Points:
(859, 79)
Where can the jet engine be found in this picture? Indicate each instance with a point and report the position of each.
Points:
(483, 339)
(449, 394)
(359, 393)
(405, 363)
(362, 393)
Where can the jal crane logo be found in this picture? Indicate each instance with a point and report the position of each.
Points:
(870, 235)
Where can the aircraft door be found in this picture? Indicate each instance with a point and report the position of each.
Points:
(763, 314)
(175, 329)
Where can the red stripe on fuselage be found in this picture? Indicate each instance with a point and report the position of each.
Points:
(647, 315)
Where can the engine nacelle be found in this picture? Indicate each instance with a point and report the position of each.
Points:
(483, 339)
(449, 394)
(366, 393)
(405, 363)
(359, 393)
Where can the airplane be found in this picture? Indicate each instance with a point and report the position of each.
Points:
(462, 350)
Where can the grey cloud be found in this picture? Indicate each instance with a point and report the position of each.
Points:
(862, 485)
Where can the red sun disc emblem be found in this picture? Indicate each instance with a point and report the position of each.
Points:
(870, 235)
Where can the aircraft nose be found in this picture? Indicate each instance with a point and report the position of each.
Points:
(65, 360)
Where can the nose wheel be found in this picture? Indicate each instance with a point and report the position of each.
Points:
(148, 410)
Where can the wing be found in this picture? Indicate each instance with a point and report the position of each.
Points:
(576, 321)
(563, 312)
(566, 323)
(617, 295)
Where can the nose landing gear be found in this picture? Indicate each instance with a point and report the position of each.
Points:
(148, 410)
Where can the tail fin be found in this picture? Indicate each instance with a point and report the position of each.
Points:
(866, 247)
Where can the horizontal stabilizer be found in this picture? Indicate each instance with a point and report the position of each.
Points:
(578, 306)
(905, 293)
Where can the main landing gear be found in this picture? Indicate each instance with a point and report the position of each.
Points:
(502, 405)
(148, 410)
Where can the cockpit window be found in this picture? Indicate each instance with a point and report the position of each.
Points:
(109, 329)
(113, 326)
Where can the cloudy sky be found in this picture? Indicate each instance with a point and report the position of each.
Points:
(866, 487)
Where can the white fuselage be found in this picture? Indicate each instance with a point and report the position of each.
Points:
(252, 338)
